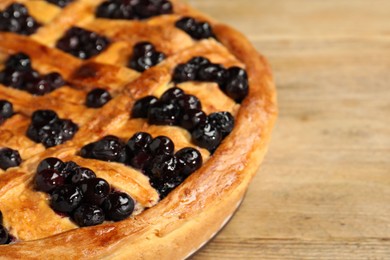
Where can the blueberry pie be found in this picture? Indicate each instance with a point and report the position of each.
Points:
(129, 129)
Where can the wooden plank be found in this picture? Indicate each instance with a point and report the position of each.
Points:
(324, 188)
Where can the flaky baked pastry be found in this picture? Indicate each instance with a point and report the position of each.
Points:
(129, 129)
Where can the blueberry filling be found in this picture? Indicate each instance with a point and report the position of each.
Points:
(76, 192)
(233, 81)
(60, 3)
(82, 43)
(19, 74)
(9, 158)
(6, 110)
(196, 29)
(47, 128)
(156, 158)
(145, 56)
(177, 108)
(97, 98)
(138, 9)
(16, 18)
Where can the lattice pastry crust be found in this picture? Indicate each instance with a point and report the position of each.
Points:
(175, 226)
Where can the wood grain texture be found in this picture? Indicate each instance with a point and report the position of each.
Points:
(323, 191)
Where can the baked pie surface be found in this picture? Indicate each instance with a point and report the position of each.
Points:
(190, 214)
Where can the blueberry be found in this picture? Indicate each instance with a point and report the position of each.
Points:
(6, 109)
(161, 113)
(69, 168)
(66, 198)
(143, 48)
(139, 159)
(54, 79)
(207, 136)
(48, 179)
(191, 118)
(116, 10)
(237, 86)
(149, 8)
(19, 62)
(145, 56)
(171, 95)
(199, 61)
(163, 168)
(164, 173)
(197, 30)
(80, 175)
(186, 102)
(184, 72)
(44, 117)
(9, 158)
(4, 236)
(60, 3)
(139, 141)
(38, 87)
(118, 206)
(97, 97)
(161, 145)
(142, 63)
(224, 121)
(82, 43)
(137, 147)
(110, 148)
(53, 134)
(88, 215)
(1, 217)
(95, 190)
(190, 159)
(213, 73)
(51, 163)
(141, 107)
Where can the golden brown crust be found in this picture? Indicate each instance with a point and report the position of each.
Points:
(195, 210)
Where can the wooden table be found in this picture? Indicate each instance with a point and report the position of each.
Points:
(323, 191)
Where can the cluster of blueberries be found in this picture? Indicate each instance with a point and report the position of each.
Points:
(145, 56)
(5, 237)
(154, 156)
(15, 18)
(18, 73)
(196, 29)
(60, 3)
(77, 192)
(50, 130)
(133, 9)
(82, 43)
(175, 107)
(233, 81)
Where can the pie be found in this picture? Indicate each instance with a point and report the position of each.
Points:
(128, 128)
